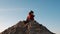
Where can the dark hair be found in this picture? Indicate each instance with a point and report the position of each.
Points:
(31, 12)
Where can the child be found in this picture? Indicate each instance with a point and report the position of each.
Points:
(30, 17)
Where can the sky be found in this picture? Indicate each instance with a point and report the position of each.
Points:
(47, 13)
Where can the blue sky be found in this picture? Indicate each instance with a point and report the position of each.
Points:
(47, 12)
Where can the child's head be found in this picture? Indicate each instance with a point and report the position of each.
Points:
(31, 12)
